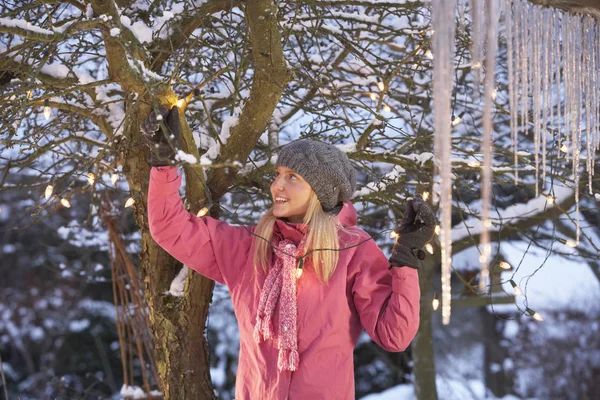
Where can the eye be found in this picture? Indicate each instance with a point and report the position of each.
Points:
(292, 176)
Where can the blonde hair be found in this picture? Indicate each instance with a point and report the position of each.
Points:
(322, 234)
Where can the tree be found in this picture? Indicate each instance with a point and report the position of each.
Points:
(250, 76)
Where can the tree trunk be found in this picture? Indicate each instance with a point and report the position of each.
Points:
(422, 346)
(574, 6)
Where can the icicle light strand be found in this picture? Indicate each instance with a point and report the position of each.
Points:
(443, 67)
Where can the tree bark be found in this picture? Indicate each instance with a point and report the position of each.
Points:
(591, 7)
(422, 345)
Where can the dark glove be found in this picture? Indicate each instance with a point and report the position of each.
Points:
(162, 136)
(414, 232)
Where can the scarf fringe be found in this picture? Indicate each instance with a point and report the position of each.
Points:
(288, 360)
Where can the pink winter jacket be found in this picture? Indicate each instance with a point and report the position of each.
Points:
(362, 294)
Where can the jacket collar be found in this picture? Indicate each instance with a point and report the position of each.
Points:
(295, 232)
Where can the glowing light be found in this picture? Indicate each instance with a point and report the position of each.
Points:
(47, 111)
(494, 94)
(130, 201)
(114, 178)
(429, 248)
(516, 288)
(393, 235)
(564, 148)
(373, 96)
(436, 302)
(180, 103)
(48, 191)
(298, 273)
(456, 121)
(29, 94)
(537, 316)
(202, 212)
(438, 230)
(571, 243)
(91, 178)
(381, 86)
(387, 108)
(474, 164)
(65, 203)
(425, 196)
(477, 65)
(550, 199)
(487, 223)
(429, 54)
(504, 265)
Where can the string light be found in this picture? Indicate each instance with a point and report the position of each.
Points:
(487, 223)
(65, 203)
(534, 314)
(494, 94)
(202, 212)
(48, 191)
(438, 230)
(387, 108)
(477, 65)
(381, 85)
(516, 288)
(425, 196)
(130, 201)
(550, 199)
(436, 302)
(429, 54)
(91, 178)
(114, 178)
(474, 164)
(29, 94)
(47, 112)
(393, 234)
(571, 243)
(504, 265)
(373, 96)
(429, 248)
(564, 148)
(456, 121)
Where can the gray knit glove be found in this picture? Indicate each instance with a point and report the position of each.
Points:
(414, 232)
(162, 136)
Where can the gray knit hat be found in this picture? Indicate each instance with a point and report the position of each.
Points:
(325, 167)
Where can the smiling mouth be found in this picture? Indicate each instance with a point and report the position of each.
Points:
(281, 200)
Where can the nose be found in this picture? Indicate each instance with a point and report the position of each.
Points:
(278, 183)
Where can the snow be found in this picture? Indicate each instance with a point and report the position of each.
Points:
(597, 197)
(22, 24)
(115, 32)
(549, 283)
(140, 30)
(228, 123)
(135, 392)
(185, 157)
(178, 284)
(79, 325)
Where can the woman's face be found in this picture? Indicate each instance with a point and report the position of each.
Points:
(291, 195)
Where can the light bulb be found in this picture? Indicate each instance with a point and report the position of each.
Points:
(504, 265)
(516, 288)
(48, 191)
(474, 164)
(202, 212)
(47, 111)
(29, 94)
(429, 248)
(429, 54)
(387, 108)
(550, 199)
(393, 234)
(180, 103)
(381, 85)
(477, 65)
(564, 148)
(425, 196)
(537, 316)
(114, 178)
(571, 243)
(456, 121)
(130, 201)
(65, 203)
(438, 230)
(373, 96)
(91, 178)
(436, 302)
(494, 94)
(487, 223)
(298, 273)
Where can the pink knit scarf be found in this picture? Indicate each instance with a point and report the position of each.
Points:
(281, 285)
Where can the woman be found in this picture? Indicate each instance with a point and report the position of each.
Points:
(298, 329)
